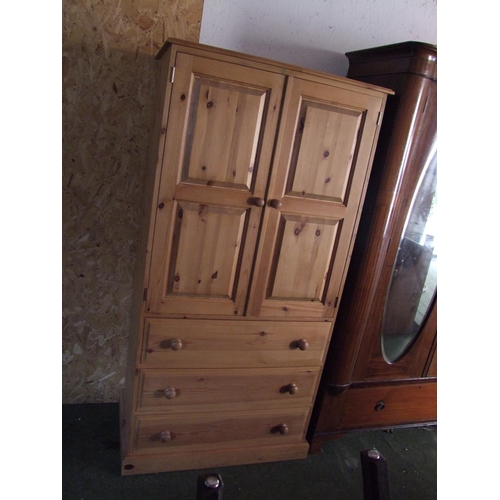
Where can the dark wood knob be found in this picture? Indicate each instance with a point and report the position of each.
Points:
(292, 389)
(275, 203)
(165, 436)
(283, 429)
(380, 406)
(258, 202)
(170, 393)
(175, 345)
(302, 344)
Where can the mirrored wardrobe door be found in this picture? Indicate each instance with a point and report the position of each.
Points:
(413, 284)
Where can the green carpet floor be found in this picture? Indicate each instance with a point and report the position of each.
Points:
(91, 466)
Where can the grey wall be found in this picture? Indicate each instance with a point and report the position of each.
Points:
(315, 33)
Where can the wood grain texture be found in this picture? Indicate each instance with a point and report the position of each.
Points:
(304, 257)
(227, 123)
(357, 375)
(230, 344)
(227, 389)
(408, 133)
(380, 406)
(203, 383)
(109, 76)
(202, 156)
(227, 430)
(257, 62)
(327, 138)
(432, 370)
(207, 252)
(413, 139)
(152, 463)
(324, 147)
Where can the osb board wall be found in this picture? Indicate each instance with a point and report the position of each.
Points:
(109, 77)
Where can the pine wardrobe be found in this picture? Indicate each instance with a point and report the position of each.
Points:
(257, 172)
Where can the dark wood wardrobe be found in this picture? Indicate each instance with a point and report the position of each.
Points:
(381, 371)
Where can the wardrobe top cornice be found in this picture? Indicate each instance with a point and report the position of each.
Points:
(263, 63)
(416, 58)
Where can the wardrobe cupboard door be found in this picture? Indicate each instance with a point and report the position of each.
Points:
(221, 129)
(323, 155)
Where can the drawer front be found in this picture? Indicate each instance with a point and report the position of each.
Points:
(210, 389)
(388, 405)
(192, 432)
(233, 344)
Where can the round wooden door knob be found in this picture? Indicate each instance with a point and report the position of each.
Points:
(258, 202)
(276, 203)
(283, 429)
(292, 388)
(302, 344)
(176, 345)
(165, 436)
(170, 393)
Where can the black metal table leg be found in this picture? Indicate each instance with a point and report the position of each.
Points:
(209, 487)
(375, 476)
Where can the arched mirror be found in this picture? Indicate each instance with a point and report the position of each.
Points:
(413, 283)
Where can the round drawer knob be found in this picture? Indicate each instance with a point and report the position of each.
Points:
(380, 406)
(283, 429)
(170, 393)
(257, 202)
(302, 344)
(292, 389)
(175, 345)
(165, 436)
(276, 203)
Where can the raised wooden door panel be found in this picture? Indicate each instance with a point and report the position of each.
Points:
(324, 152)
(218, 149)
(226, 389)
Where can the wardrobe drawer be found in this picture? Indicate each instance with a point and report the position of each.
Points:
(210, 389)
(179, 343)
(202, 431)
(386, 405)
